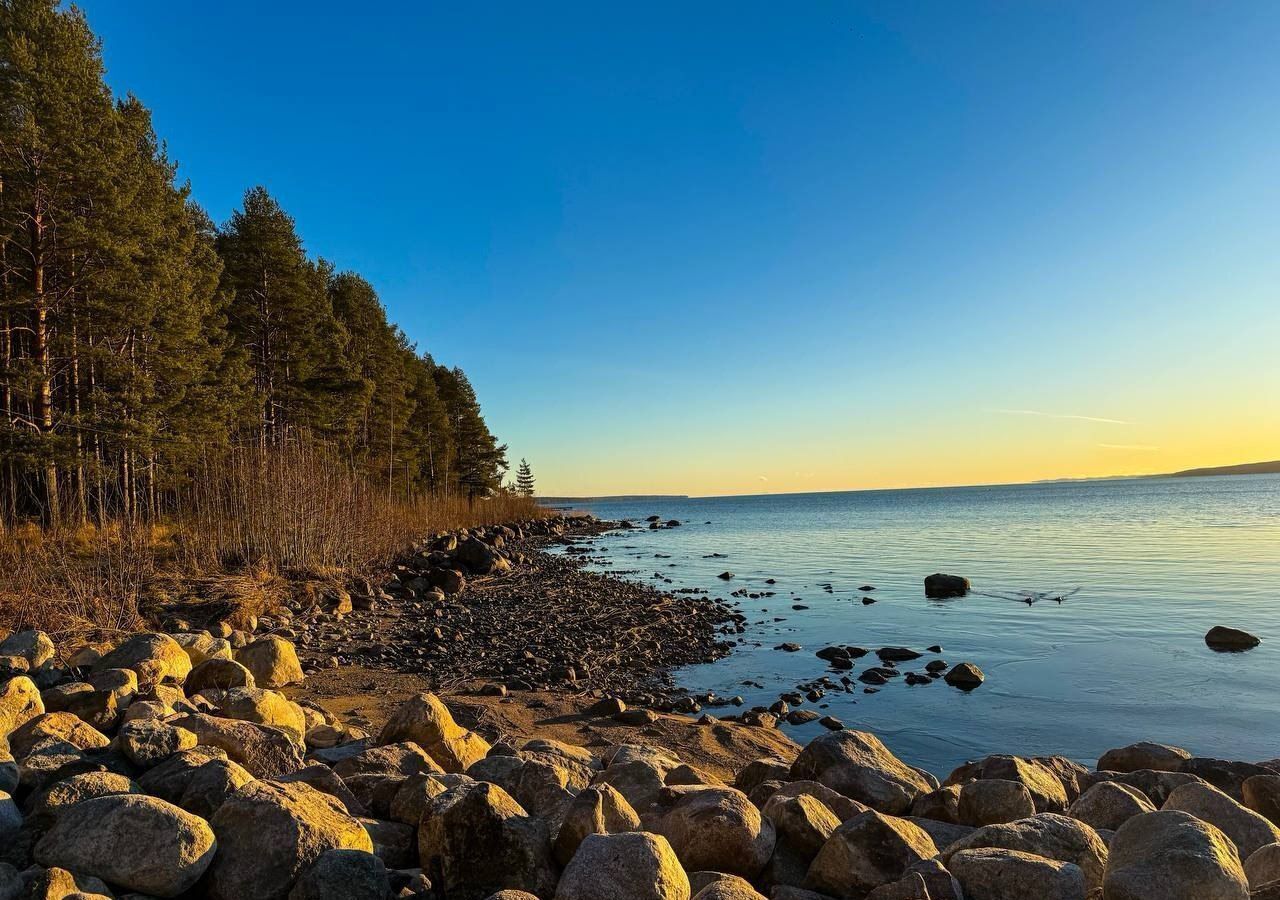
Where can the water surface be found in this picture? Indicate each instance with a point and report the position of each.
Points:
(1156, 562)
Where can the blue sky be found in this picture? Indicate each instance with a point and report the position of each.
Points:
(728, 248)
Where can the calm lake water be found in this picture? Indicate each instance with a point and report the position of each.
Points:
(1156, 563)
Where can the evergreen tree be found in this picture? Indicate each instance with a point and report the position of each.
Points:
(524, 479)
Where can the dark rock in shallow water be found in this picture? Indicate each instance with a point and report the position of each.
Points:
(965, 676)
(1220, 637)
(725, 575)
(940, 587)
(896, 654)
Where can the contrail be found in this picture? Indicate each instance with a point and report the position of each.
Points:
(1049, 415)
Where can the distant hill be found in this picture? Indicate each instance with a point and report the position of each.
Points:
(1260, 468)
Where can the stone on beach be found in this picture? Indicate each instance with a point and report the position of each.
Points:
(866, 852)
(1246, 828)
(718, 829)
(1109, 804)
(272, 661)
(597, 809)
(995, 874)
(632, 866)
(859, 766)
(427, 722)
(1143, 755)
(1172, 855)
(1044, 834)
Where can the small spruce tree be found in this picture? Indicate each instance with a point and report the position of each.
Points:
(524, 479)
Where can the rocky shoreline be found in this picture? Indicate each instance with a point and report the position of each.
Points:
(199, 764)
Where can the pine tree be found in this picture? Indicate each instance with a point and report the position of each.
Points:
(524, 479)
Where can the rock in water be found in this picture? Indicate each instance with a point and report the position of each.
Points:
(270, 833)
(1172, 855)
(137, 842)
(965, 676)
(1220, 637)
(634, 866)
(941, 587)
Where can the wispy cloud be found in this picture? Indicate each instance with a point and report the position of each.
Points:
(763, 477)
(1051, 415)
(1129, 446)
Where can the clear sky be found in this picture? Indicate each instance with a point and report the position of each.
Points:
(747, 247)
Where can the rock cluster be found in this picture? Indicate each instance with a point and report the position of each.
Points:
(165, 784)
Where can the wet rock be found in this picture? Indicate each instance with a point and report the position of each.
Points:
(965, 676)
(941, 587)
(634, 866)
(1172, 855)
(140, 843)
(1220, 637)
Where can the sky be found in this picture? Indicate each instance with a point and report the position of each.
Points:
(727, 248)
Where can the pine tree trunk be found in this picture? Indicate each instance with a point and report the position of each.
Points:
(53, 506)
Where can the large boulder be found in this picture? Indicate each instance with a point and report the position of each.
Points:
(405, 758)
(476, 555)
(858, 765)
(1109, 804)
(264, 750)
(67, 792)
(270, 833)
(598, 809)
(994, 874)
(427, 722)
(477, 839)
(1045, 788)
(219, 674)
(1261, 793)
(843, 807)
(1172, 855)
(717, 829)
(211, 785)
(343, 875)
(61, 726)
(154, 658)
(1263, 866)
(728, 887)
(170, 778)
(19, 703)
(1222, 637)
(1143, 755)
(993, 800)
(272, 661)
(1045, 834)
(149, 742)
(1246, 828)
(867, 851)
(940, 586)
(264, 707)
(140, 843)
(629, 866)
(803, 823)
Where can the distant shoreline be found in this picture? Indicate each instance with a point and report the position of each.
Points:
(1260, 468)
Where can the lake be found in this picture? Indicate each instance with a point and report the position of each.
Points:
(1149, 565)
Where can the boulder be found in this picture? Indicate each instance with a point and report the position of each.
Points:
(139, 843)
(149, 742)
(343, 875)
(1220, 637)
(272, 662)
(211, 784)
(994, 874)
(1045, 834)
(405, 758)
(11, 819)
(598, 809)
(19, 703)
(1227, 775)
(1263, 865)
(628, 866)
(155, 658)
(941, 587)
(269, 834)
(427, 722)
(323, 779)
(942, 805)
(859, 766)
(395, 843)
(1143, 755)
(60, 795)
(475, 839)
(1261, 794)
(1246, 828)
(965, 676)
(221, 674)
(717, 829)
(33, 647)
(478, 557)
(802, 822)
(266, 751)
(729, 887)
(926, 880)
(867, 851)
(992, 801)
(1046, 790)
(60, 726)
(265, 708)
(1109, 804)
(843, 807)
(416, 791)
(759, 771)
(1157, 786)
(1172, 855)
(170, 778)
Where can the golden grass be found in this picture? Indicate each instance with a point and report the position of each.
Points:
(251, 520)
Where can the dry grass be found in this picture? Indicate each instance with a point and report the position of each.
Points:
(252, 520)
